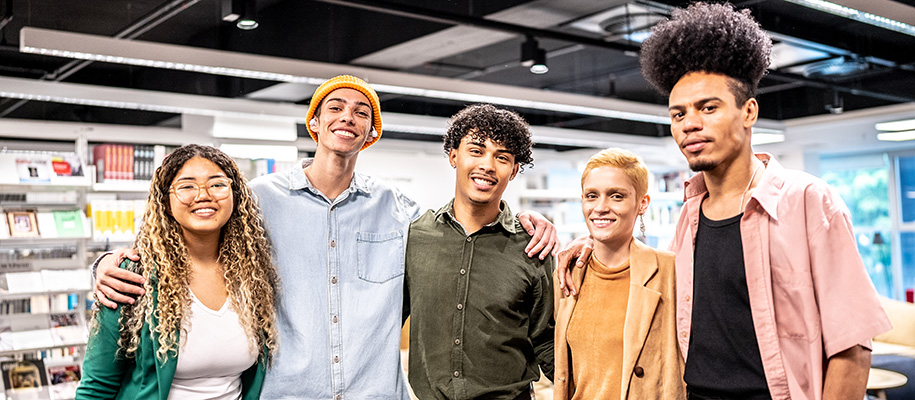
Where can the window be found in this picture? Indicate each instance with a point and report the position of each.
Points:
(862, 182)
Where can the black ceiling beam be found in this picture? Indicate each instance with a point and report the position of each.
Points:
(791, 78)
(460, 19)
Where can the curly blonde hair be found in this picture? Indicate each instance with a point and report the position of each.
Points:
(251, 277)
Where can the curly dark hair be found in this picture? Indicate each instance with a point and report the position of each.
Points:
(485, 121)
(712, 38)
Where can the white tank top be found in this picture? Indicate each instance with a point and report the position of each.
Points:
(212, 354)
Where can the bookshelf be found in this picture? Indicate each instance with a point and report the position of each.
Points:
(44, 279)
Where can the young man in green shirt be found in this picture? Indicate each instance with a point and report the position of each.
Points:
(482, 311)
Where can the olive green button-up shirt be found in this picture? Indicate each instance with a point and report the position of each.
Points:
(482, 310)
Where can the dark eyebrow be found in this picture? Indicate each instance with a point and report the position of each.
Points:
(360, 103)
(189, 178)
(697, 103)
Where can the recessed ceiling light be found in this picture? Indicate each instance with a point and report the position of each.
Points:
(896, 136)
(895, 126)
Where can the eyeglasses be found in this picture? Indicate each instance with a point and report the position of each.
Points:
(187, 192)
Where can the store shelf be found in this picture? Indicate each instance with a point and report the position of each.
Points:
(39, 264)
(122, 186)
(41, 240)
(58, 182)
(5, 295)
(4, 353)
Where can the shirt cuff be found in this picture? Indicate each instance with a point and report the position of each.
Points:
(98, 260)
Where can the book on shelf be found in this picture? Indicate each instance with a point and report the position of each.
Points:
(116, 220)
(63, 378)
(22, 223)
(69, 223)
(34, 169)
(25, 379)
(40, 167)
(115, 162)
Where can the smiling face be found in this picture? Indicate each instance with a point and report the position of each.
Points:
(483, 170)
(344, 121)
(611, 204)
(711, 129)
(204, 214)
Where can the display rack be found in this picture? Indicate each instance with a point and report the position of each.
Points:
(47, 237)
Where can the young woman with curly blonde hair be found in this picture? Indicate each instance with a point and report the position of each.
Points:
(206, 326)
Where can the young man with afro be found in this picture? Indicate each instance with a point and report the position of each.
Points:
(773, 300)
(482, 312)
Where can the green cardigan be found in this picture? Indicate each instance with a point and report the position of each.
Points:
(109, 376)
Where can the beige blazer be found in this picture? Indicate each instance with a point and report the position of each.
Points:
(650, 350)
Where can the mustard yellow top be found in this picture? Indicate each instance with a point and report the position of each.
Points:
(595, 333)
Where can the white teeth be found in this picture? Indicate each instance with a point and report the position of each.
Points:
(344, 133)
(482, 182)
(204, 211)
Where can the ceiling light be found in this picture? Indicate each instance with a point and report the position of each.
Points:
(242, 12)
(900, 136)
(860, 16)
(533, 57)
(895, 126)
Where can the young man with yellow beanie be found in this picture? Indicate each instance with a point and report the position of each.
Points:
(338, 239)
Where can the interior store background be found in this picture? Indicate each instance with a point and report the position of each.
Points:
(78, 75)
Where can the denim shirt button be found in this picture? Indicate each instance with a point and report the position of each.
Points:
(336, 359)
(333, 243)
(333, 280)
(335, 319)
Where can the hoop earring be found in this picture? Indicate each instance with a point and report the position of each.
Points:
(642, 227)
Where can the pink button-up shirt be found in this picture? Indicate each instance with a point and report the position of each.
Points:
(810, 295)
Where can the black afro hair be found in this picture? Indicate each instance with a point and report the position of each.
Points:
(485, 121)
(712, 38)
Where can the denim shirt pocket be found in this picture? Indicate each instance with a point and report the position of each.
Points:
(380, 256)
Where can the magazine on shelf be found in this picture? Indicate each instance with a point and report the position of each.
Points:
(34, 168)
(63, 380)
(25, 379)
(22, 223)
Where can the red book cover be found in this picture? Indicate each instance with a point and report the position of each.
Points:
(100, 160)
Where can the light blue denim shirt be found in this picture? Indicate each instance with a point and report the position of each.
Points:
(341, 265)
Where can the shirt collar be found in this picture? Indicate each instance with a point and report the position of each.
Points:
(506, 219)
(298, 180)
(767, 193)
